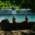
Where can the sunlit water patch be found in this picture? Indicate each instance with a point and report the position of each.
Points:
(7, 14)
(19, 18)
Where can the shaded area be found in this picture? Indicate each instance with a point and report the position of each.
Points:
(6, 26)
(22, 3)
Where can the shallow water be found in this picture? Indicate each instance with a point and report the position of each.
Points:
(8, 14)
(19, 18)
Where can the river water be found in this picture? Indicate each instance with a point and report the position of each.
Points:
(19, 17)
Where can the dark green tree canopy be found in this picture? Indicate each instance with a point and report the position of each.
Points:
(22, 3)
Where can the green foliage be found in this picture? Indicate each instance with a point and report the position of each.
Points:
(19, 3)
